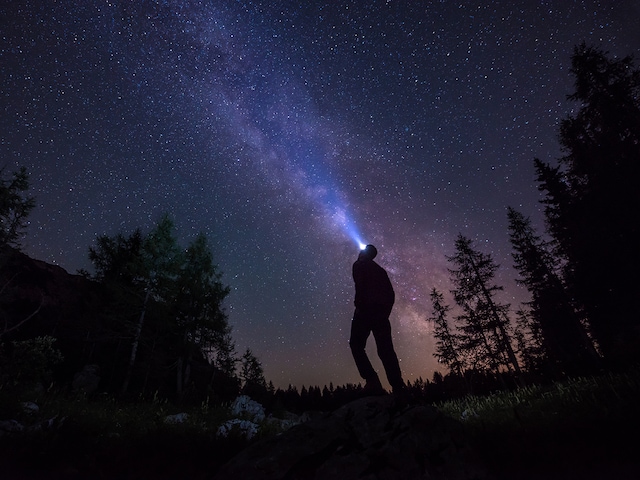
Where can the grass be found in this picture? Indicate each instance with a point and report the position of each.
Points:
(572, 429)
(609, 397)
(106, 438)
(580, 428)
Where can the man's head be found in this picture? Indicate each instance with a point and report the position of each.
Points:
(369, 252)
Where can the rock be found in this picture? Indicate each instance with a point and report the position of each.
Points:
(238, 427)
(176, 419)
(246, 408)
(49, 424)
(370, 438)
(30, 408)
(282, 424)
(13, 427)
(10, 426)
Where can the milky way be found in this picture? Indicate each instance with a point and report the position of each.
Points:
(290, 133)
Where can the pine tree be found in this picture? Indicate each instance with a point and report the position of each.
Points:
(531, 349)
(552, 315)
(589, 194)
(484, 323)
(222, 355)
(446, 341)
(252, 375)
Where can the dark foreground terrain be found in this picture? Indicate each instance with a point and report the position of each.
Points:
(371, 438)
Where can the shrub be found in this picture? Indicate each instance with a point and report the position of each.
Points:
(30, 362)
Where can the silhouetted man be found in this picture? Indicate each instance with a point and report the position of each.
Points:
(374, 301)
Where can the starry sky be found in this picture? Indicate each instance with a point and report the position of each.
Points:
(290, 131)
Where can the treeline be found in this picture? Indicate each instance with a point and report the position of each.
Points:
(582, 272)
(583, 316)
(148, 323)
(327, 398)
(156, 324)
(167, 301)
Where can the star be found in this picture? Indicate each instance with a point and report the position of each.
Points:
(291, 134)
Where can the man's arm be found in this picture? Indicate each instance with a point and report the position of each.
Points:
(359, 278)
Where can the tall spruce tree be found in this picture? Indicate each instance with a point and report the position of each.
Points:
(529, 340)
(447, 342)
(552, 316)
(589, 195)
(252, 375)
(484, 323)
(223, 353)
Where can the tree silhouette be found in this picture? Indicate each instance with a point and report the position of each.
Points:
(552, 318)
(15, 206)
(531, 349)
(180, 291)
(589, 195)
(158, 267)
(252, 376)
(201, 323)
(484, 323)
(447, 342)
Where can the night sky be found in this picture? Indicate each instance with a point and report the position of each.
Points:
(288, 133)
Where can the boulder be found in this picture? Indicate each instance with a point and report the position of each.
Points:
(370, 438)
(176, 419)
(246, 408)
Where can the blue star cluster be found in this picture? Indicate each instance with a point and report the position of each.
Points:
(288, 132)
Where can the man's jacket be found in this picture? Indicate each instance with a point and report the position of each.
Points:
(373, 287)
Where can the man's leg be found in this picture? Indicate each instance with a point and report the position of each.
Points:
(382, 333)
(360, 331)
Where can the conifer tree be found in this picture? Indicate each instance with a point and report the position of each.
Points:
(252, 375)
(447, 348)
(552, 315)
(589, 195)
(530, 341)
(484, 323)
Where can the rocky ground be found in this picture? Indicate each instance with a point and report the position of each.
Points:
(381, 438)
(371, 438)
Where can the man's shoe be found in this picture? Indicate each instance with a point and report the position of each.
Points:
(402, 396)
(374, 388)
